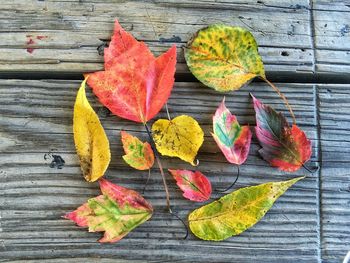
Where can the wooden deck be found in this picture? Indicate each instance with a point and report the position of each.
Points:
(46, 45)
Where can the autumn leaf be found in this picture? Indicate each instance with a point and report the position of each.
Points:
(90, 139)
(283, 146)
(224, 57)
(138, 155)
(135, 84)
(195, 185)
(232, 139)
(180, 137)
(116, 212)
(236, 212)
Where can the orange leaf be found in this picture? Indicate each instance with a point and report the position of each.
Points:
(135, 85)
(138, 155)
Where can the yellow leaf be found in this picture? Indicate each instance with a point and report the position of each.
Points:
(90, 138)
(236, 212)
(180, 137)
(224, 57)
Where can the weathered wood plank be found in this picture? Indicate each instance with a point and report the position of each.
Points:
(335, 174)
(36, 119)
(332, 36)
(63, 36)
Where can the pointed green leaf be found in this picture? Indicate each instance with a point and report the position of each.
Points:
(236, 212)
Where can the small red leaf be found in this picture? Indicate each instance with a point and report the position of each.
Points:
(195, 185)
(134, 85)
(283, 146)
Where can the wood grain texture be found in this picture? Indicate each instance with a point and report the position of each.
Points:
(65, 36)
(335, 173)
(36, 120)
(332, 36)
(57, 38)
(69, 36)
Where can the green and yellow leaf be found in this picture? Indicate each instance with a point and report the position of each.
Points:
(236, 212)
(116, 212)
(90, 139)
(224, 57)
(180, 137)
(138, 155)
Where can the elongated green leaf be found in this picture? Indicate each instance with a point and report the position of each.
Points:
(236, 212)
(224, 57)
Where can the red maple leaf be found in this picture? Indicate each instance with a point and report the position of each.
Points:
(134, 85)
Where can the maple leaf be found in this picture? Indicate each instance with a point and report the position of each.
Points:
(232, 139)
(138, 155)
(236, 212)
(180, 137)
(90, 139)
(283, 146)
(195, 185)
(116, 212)
(134, 85)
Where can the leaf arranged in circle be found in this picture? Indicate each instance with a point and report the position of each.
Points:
(236, 212)
(180, 137)
(90, 139)
(284, 147)
(138, 155)
(135, 84)
(195, 185)
(224, 57)
(116, 212)
(232, 139)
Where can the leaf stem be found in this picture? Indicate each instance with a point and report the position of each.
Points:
(282, 96)
(148, 177)
(160, 168)
(309, 170)
(174, 214)
(167, 111)
(178, 218)
(228, 188)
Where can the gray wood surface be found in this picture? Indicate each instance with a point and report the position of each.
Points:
(299, 41)
(332, 36)
(335, 173)
(37, 118)
(72, 31)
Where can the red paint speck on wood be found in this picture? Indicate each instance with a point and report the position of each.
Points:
(41, 37)
(30, 41)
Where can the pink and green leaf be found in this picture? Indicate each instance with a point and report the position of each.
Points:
(283, 146)
(195, 185)
(138, 155)
(232, 139)
(116, 212)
